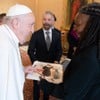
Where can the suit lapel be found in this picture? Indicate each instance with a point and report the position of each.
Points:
(43, 40)
(53, 39)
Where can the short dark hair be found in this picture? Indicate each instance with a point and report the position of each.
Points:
(53, 15)
(55, 19)
(2, 15)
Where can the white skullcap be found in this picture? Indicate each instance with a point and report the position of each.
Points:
(18, 9)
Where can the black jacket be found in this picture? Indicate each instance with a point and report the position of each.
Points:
(82, 77)
(38, 50)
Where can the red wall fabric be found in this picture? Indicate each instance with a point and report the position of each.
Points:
(75, 7)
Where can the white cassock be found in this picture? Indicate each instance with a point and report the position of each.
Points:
(11, 69)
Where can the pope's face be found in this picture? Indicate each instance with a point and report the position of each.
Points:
(80, 24)
(26, 27)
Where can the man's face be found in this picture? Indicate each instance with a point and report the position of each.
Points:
(80, 24)
(47, 21)
(26, 27)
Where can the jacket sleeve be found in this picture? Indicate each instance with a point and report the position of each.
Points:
(58, 48)
(32, 48)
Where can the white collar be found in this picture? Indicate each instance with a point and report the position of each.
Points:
(50, 30)
(12, 34)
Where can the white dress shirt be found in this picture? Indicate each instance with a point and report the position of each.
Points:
(50, 34)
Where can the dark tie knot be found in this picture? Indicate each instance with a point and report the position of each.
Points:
(47, 32)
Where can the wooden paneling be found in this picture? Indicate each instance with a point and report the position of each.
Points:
(39, 7)
(56, 6)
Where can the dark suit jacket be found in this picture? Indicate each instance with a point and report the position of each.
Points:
(82, 77)
(38, 50)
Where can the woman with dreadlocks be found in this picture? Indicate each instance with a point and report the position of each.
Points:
(82, 78)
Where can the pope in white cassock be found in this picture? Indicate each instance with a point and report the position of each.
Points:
(18, 25)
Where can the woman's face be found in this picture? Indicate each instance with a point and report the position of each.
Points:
(80, 24)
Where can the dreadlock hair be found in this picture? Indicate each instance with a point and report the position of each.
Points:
(92, 32)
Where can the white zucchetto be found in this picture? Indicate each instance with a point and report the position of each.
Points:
(18, 9)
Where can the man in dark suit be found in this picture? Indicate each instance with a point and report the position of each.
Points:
(40, 50)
